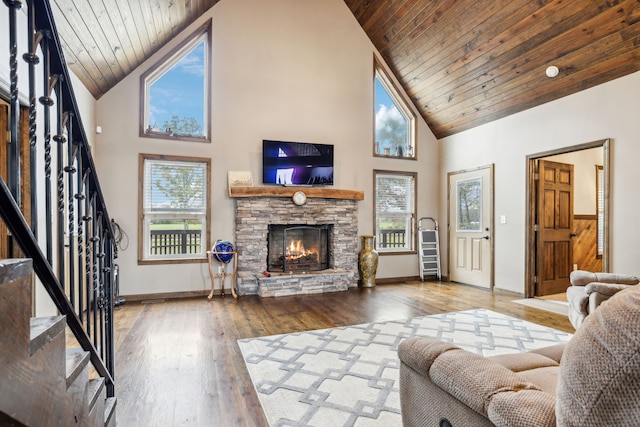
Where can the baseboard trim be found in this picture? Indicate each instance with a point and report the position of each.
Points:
(166, 295)
(396, 280)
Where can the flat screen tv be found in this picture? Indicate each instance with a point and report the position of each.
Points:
(296, 163)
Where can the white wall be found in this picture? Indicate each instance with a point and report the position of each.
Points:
(609, 110)
(288, 70)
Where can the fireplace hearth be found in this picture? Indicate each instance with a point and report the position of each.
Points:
(298, 248)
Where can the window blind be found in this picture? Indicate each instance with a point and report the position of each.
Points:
(394, 194)
(173, 186)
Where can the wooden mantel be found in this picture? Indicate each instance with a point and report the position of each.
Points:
(311, 192)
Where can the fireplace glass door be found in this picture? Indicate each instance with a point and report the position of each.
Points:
(298, 248)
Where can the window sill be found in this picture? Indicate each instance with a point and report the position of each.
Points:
(407, 252)
(172, 261)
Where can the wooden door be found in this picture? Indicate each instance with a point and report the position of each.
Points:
(470, 227)
(554, 227)
(8, 248)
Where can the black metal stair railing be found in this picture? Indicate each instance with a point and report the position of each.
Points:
(73, 255)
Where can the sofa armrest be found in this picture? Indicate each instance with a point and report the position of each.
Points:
(609, 289)
(583, 278)
(525, 408)
(481, 384)
(419, 353)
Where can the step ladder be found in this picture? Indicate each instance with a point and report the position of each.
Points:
(429, 249)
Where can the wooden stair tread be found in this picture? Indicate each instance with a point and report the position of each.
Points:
(44, 330)
(110, 412)
(14, 268)
(94, 390)
(77, 361)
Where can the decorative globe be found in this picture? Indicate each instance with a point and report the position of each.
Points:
(221, 251)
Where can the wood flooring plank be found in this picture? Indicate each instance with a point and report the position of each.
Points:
(178, 362)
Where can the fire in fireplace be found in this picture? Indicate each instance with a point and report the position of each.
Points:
(299, 248)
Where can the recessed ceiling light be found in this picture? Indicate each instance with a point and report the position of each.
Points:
(552, 71)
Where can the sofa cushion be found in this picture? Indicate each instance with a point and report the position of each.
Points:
(523, 361)
(544, 377)
(599, 379)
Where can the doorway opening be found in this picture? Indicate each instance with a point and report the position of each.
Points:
(541, 255)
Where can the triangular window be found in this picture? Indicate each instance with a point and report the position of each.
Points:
(394, 120)
(175, 92)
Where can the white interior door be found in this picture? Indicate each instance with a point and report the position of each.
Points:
(471, 227)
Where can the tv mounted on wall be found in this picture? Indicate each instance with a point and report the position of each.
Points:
(296, 163)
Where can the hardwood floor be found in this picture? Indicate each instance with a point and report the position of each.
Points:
(178, 363)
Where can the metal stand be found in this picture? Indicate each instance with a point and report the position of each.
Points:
(222, 273)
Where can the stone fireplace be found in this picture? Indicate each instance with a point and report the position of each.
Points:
(337, 217)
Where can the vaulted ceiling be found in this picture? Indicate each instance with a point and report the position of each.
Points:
(462, 62)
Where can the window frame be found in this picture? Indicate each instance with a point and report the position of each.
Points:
(144, 218)
(600, 210)
(166, 63)
(403, 104)
(410, 228)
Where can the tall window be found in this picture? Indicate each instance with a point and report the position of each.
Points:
(394, 121)
(174, 208)
(395, 195)
(175, 92)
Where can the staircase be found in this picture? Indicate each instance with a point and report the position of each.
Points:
(41, 381)
(56, 238)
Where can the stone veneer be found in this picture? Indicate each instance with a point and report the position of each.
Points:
(253, 216)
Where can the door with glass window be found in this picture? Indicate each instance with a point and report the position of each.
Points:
(471, 227)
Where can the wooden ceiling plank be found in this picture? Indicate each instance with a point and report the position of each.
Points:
(418, 28)
(85, 20)
(504, 46)
(600, 29)
(122, 43)
(159, 19)
(174, 22)
(79, 40)
(357, 6)
(397, 17)
(130, 12)
(584, 70)
(146, 20)
(622, 66)
(444, 20)
(504, 61)
(117, 36)
(370, 18)
(458, 40)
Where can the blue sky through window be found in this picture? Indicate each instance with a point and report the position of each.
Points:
(391, 126)
(180, 91)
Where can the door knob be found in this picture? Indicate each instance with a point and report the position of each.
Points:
(486, 237)
(572, 235)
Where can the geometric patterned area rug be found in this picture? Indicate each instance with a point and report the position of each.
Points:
(348, 376)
